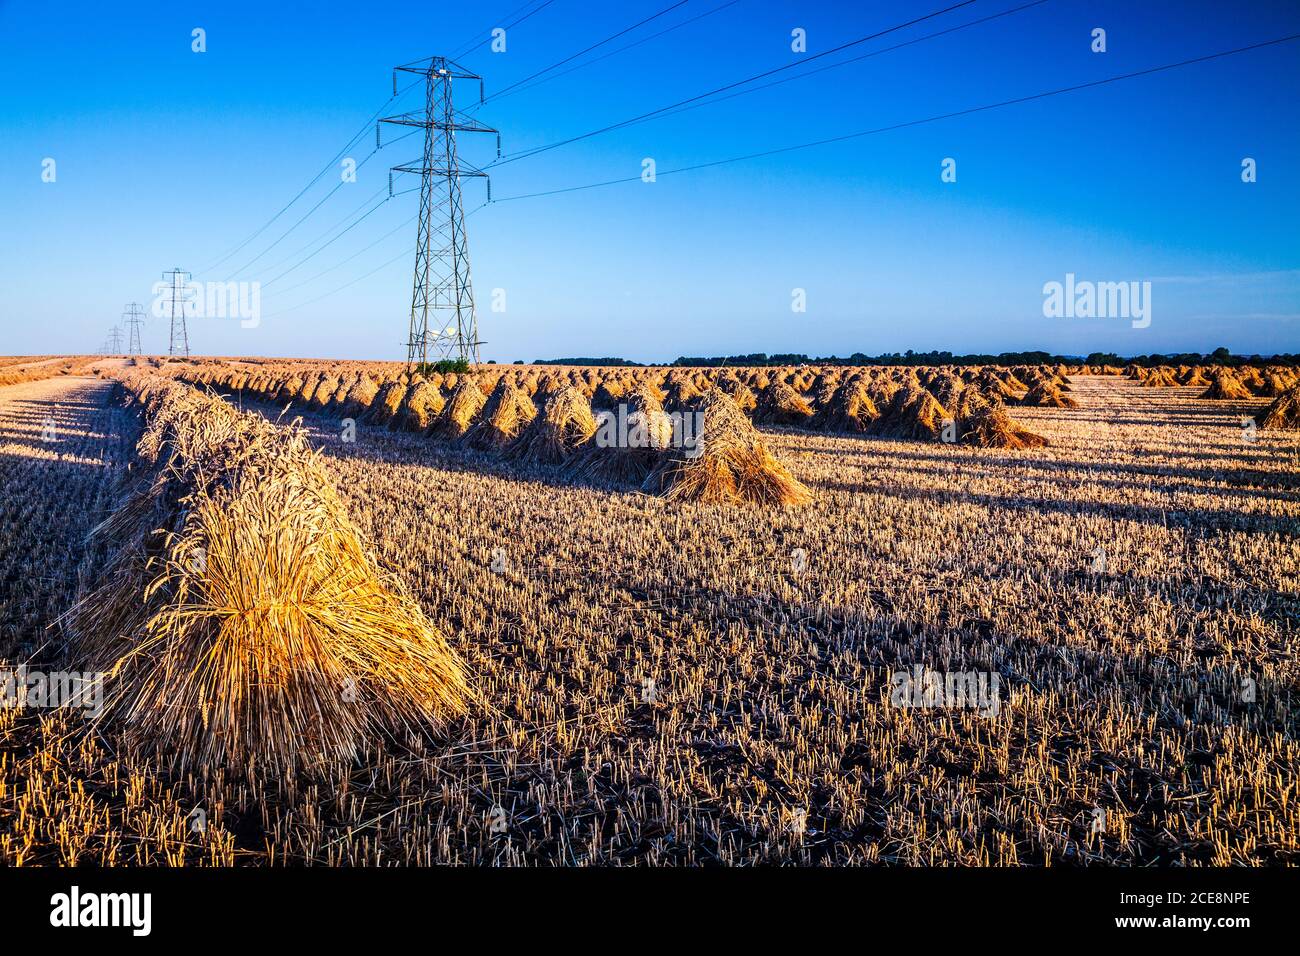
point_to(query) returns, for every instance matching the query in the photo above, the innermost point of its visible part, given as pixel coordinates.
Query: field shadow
(1215, 519)
(1246, 477)
(419, 450)
(1085, 478)
(55, 493)
(401, 447)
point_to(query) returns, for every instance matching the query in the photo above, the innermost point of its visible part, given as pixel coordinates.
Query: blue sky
(166, 157)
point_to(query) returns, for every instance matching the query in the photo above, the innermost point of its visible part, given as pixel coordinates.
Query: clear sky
(166, 157)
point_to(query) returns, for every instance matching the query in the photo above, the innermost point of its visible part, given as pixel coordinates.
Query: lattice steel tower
(180, 339)
(133, 316)
(443, 321)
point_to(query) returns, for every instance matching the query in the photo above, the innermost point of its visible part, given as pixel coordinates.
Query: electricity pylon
(133, 316)
(115, 341)
(443, 320)
(180, 339)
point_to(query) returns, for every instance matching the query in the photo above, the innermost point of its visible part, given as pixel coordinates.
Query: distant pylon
(180, 339)
(443, 320)
(133, 316)
(115, 341)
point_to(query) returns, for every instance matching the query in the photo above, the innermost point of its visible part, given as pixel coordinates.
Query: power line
(354, 255)
(518, 84)
(347, 146)
(315, 179)
(516, 87)
(326, 245)
(861, 133)
(401, 255)
(341, 183)
(594, 46)
(327, 168)
(721, 89)
(605, 56)
(363, 206)
(468, 48)
(920, 122)
(864, 56)
(302, 305)
(339, 235)
(693, 102)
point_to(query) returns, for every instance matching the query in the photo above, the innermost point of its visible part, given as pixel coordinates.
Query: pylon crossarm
(463, 170)
(440, 66)
(462, 124)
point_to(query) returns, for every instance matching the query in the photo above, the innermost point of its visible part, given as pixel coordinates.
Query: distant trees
(1220, 356)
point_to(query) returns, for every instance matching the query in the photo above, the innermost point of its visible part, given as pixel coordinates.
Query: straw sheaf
(1044, 395)
(384, 406)
(464, 406)
(1225, 387)
(1284, 412)
(780, 404)
(554, 437)
(1275, 384)
(993, 427)
(733, 465)
(419, 409)
(650, 432)
(507, 412)
(912, 413)
(850, 409)
(242, 620)
(357, 399)
(1160, 378)
(1193, 377)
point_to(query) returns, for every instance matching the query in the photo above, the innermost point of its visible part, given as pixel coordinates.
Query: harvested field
(666, 682)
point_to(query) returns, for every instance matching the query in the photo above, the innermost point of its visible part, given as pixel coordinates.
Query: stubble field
(679, 683)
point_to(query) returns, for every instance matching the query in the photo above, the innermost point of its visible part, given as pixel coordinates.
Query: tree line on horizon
(1220, 356)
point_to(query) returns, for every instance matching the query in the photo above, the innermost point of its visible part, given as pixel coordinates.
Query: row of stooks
(37, 370)
(889, 402)
(709, 452)
(1279, 382)
(222, 653)
(684, 436)
(555, 418)
(1043, 386)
